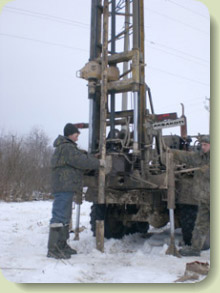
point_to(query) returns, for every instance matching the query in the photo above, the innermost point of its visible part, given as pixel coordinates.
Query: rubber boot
(189, 251)
(66, 247)
(197, 244)
(55, 244)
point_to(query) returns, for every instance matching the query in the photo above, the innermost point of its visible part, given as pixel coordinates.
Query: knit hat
(205, 138)
(70, 129)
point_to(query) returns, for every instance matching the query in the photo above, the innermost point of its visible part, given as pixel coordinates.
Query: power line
(189, 103)
(80, 49)
(179, 76)
(82, 25)
(74, 23)
(186, 8)
(46, 17)
(177, 50)
(175, 55)
(43, 42)
(186, 102)
(175, 20)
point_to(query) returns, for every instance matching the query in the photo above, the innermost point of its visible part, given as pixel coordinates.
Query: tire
(142, 227)
(137, 227)
(93, 218)
(188, 215)
(113, 227)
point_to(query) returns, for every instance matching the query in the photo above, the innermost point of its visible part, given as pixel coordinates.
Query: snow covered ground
(134, 259)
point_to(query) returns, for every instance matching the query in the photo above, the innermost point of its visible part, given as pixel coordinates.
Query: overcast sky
(44, 42)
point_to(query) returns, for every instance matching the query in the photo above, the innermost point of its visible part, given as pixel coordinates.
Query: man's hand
(84, 151)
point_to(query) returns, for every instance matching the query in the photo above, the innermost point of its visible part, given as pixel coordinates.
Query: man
(68, 165)
(201, 190)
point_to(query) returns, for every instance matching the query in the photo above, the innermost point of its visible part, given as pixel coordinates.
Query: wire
(47, 17)
(179, 51)
(43, 42)
(186, 8)
(84, 25)
(179, 76)
(186, 102)
(175, 55)
(178, 21)
(83, 50)
(187, 106)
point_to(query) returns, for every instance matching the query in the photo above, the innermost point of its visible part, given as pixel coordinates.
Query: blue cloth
(62, 208)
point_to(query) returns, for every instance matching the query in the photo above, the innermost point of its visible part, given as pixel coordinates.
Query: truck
(139, 185)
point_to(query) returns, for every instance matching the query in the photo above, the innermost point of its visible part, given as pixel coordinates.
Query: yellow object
(2, 3)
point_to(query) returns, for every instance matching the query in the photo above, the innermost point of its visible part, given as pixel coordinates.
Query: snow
(133, 259)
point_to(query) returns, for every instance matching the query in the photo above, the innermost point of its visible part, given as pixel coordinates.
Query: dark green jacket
(201, 182)
(68, 164)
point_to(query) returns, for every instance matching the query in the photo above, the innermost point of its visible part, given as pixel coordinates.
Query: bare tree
(25, 166)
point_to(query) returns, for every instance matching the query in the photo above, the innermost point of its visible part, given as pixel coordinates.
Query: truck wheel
(93, 217)
(142, 227)
(188, 215)
(137, 227)
(113, 227)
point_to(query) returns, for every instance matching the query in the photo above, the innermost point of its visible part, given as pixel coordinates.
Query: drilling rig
(135, 187)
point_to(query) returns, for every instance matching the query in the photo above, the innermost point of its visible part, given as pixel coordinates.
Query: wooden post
(103, 104)
(103, 114)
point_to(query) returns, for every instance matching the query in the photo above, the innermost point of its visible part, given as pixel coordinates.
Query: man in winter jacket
(68, 165)
(201, 191)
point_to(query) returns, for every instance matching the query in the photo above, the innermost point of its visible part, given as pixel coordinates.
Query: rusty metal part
(183, 128)
(100, 235)
(171, 204)
(77, 222)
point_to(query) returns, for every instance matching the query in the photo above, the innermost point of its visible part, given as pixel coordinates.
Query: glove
(83, 151)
